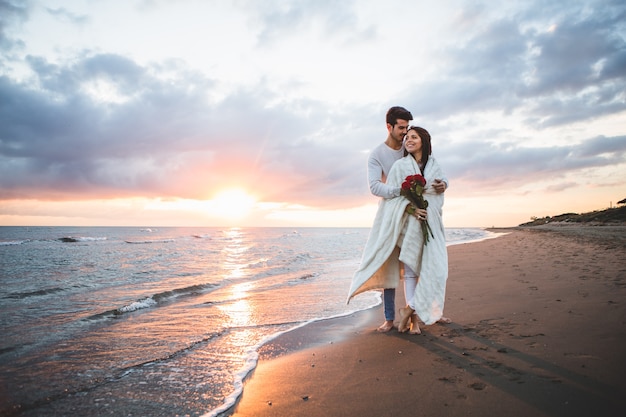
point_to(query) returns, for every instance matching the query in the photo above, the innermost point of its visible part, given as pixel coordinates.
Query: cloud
(101, 123)
(553, 73)
(328, 19)
(145, 132)
(11, 14)
(496, 166)
(64, 15)
(59, 140)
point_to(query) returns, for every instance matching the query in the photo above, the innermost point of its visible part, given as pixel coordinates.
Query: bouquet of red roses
(413, 190)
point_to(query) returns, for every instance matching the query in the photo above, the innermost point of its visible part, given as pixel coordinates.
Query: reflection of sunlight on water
(235, 270)
(239, 313)
(240, 290)
(235, 252)
(245, 337)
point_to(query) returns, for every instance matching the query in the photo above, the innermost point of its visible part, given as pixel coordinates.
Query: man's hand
(439, 186)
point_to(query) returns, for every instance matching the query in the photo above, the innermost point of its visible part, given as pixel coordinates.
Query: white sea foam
(12, 242)
(140, 242)
(458, 236)
(138, 305)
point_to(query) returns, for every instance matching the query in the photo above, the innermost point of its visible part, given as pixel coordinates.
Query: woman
(396, 238)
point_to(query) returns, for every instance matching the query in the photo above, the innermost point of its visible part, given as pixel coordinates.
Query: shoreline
(513, 347)
(273, 347)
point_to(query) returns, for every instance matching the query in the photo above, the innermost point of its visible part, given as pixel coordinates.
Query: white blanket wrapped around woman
(396, 236)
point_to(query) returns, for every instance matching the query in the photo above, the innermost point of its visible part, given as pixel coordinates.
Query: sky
(262, 113)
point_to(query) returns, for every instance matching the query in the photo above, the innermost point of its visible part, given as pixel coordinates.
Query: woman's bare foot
(444, 320)
(405, 316)
(385, 327)
(415, 326)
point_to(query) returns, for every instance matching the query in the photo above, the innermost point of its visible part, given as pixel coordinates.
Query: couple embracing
(407, 236)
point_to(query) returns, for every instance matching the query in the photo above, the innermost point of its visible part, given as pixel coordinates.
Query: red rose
(412, 189)
(421, 180)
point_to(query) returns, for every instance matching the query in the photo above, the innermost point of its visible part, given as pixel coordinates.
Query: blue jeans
(389, 302)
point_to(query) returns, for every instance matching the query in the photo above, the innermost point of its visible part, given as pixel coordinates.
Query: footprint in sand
(478, 386)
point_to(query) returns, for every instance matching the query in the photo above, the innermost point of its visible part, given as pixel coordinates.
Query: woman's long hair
(427, 148)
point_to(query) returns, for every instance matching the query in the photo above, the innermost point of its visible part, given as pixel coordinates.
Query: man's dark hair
(397, 112)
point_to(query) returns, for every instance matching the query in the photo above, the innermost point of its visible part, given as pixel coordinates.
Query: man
(378, 165)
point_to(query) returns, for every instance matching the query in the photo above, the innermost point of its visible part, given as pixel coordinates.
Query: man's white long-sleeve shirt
(378, 165)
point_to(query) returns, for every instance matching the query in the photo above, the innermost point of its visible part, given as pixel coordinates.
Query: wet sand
(538, 329)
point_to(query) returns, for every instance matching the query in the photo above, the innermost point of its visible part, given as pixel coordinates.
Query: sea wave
(138, 305)
(294, 234)
(12, 242)
(457, 236)
(152, 301)
(37, 293)
(149, 241)
(204, 236)
(73, 239)
(299, 279)
(301, 258)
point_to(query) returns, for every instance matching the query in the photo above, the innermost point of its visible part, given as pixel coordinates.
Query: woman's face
(413, 142)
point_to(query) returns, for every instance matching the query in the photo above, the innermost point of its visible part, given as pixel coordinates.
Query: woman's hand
(420, 214)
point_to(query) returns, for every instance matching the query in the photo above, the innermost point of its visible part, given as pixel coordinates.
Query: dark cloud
(555, 63)
(59, 119)
(588, 105)
(64, 80)
(496, 53)
(581, 51)
(490, 165)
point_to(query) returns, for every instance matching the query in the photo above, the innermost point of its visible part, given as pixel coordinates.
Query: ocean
(169, 319)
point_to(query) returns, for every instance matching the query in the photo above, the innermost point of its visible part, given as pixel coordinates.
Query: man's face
(398, 131)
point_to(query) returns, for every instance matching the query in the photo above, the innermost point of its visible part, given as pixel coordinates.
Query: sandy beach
(538, 329)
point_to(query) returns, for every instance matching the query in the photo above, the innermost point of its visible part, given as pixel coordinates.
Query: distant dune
(615, 215)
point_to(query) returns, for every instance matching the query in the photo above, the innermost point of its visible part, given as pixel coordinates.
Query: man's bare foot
(405, 316)
(385, 327)
(415, 327)
(444, 320)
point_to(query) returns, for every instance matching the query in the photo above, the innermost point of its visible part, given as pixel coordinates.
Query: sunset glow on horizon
(140, 113)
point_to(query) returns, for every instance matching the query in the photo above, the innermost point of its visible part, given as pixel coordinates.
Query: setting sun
(233, 203)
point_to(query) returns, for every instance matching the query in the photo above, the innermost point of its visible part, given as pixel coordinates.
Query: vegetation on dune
(611, 216)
